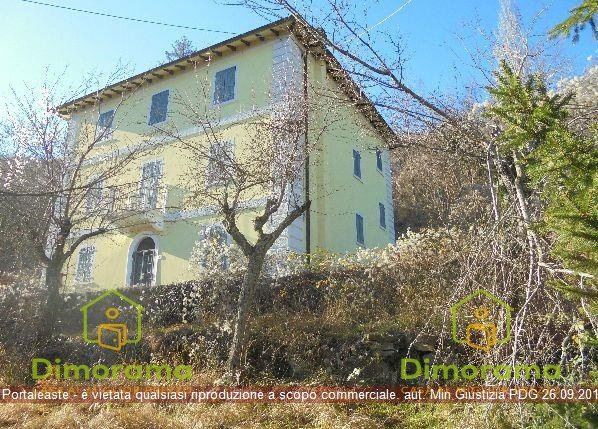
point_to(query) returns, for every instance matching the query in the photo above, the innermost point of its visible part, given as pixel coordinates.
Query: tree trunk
(522, 199)
(53, 301)
(254, 268)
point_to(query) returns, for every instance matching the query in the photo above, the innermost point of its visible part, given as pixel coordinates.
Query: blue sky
(35, 37)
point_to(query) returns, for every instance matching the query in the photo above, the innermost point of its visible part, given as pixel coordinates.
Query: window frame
(160, 179)
(108, 135)
(206, 232)
(152, 268)
(133, 247)
(382, 215)
(360, 176)
(78, 279)
(216, 183)
(360, 216)
(380, 167)
(149, 113)
(88, 208)
(223, 103)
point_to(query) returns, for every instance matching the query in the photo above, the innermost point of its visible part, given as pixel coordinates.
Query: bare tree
(511, 45)
(259, 181)
(75, 194)
(267, 168)
(15, 250)
(179, 49)
(459, 127)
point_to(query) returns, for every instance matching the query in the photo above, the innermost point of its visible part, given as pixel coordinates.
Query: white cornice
(164, 139)
(210, 210)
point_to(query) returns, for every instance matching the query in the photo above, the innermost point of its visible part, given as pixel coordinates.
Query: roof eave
(261, 34)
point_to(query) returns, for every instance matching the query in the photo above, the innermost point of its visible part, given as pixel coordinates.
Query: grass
(146, 416)
(325, 416)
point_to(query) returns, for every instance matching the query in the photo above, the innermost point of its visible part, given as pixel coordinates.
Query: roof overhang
(179, 65)
(302, 31)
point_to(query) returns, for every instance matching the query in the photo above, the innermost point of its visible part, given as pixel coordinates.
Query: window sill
(383, 228)
(358, 178)
(158, 123)
(223, 103)
(105, 142)
(380, 171)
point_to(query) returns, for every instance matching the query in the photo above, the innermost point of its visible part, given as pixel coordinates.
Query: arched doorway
(143, 263)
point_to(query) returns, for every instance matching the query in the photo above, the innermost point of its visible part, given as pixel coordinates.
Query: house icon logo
(481, 320)
(112, 320)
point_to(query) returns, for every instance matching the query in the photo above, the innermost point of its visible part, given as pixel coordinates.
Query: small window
(382, 213)
(220, 163)
(359, 228)
(104, 127)
(159, 107)
(224, 85)
(356, 164)
(95, 194)
(379, 160)
(85, 265)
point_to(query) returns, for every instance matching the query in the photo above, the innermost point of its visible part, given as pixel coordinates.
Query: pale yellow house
(348, 181)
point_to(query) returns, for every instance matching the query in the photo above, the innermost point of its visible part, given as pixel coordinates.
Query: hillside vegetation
(345, 321)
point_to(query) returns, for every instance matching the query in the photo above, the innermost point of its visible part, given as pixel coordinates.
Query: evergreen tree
(562, 167)
(580, 16)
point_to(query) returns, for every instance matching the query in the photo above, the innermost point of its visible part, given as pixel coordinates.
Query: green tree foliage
(562, 166)
(580, 16)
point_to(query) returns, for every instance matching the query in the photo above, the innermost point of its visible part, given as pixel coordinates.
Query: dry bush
(333, 323)
(325, 416)
(434, 189)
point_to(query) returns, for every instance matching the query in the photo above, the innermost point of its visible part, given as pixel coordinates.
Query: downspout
(305, 147)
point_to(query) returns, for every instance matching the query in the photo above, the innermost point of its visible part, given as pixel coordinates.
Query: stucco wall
(334, 128)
